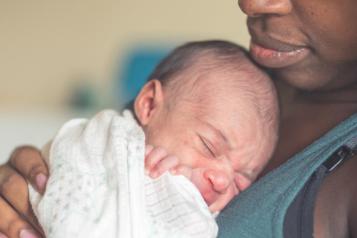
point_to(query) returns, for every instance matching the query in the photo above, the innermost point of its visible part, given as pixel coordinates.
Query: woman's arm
(17, 219)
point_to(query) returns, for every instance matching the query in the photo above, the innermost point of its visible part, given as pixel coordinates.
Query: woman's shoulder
(335, 212)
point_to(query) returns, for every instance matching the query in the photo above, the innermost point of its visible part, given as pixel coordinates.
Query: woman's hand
(16, 216)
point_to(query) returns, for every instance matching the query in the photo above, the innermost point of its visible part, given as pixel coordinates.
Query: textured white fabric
(98, 188)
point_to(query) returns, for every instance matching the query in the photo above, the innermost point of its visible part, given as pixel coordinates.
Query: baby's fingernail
(27, 234)
(41, 181)
(2, 235)
(154, 174)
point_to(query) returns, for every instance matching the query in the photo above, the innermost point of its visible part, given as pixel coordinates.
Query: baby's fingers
(148, 149)
(153, 157)
(182, 170)
(167, 163)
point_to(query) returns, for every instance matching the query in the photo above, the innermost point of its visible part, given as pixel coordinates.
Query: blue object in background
(136, 69)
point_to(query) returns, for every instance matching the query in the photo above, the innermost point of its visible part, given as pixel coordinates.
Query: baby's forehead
(208, 69)
(225, 105)
(217, 85)
(230, 90)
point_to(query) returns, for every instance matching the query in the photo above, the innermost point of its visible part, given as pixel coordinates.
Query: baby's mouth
(209, 195)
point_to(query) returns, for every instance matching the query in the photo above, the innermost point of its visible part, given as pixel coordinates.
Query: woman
(311, 48)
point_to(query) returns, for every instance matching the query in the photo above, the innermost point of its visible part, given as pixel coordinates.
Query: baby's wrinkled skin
(217, 143)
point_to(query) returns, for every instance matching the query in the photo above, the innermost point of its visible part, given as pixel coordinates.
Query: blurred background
(71, 58)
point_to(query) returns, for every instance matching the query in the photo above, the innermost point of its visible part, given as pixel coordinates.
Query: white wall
(46, 45)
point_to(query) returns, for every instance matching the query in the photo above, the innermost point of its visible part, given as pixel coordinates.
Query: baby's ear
(148, 101)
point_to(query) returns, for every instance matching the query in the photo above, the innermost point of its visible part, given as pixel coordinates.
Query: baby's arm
(158, 161)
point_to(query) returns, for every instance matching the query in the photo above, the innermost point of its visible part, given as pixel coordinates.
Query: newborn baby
(207, 114)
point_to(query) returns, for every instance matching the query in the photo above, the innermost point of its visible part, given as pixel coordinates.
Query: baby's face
(217, 141)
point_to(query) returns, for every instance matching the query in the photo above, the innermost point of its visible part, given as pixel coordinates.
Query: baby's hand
(158, 161)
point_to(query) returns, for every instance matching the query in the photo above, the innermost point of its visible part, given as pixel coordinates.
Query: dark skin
(335, 214)
(317, 91)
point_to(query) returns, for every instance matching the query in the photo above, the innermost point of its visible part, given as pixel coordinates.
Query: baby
(207, 114)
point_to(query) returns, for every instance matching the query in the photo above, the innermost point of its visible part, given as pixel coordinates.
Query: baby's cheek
(223, 200)
(242, 182)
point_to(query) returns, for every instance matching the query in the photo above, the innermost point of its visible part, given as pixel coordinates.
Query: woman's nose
(218, 179)
(256, 8)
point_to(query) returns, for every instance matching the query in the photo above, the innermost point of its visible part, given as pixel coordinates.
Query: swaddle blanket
(97, 186)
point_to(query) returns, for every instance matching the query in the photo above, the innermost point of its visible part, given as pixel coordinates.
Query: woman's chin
(306, 80)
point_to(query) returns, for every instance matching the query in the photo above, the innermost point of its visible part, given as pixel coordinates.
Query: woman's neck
(306, 116)
(343, 97)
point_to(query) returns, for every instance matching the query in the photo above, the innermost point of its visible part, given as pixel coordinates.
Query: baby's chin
(221, 202)
(217, 201)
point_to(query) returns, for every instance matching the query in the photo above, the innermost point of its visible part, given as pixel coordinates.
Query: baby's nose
(219, 180)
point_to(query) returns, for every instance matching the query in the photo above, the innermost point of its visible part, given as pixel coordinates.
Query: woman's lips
(274, 58)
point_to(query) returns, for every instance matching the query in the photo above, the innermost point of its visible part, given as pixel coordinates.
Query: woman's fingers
(28, 161)
(12, 225)
(14, 189)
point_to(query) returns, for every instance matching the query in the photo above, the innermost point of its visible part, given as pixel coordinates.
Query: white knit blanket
(97, 187)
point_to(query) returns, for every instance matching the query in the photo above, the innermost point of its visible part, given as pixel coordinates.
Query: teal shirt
(259, 211)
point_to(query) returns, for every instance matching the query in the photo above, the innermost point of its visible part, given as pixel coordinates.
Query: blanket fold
(97, 186)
